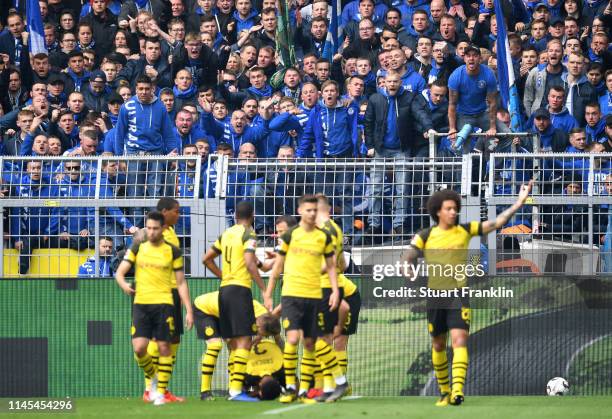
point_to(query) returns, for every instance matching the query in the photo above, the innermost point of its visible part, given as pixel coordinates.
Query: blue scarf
(81, 47)
(594, 57)
(141, 3)
(289, 93)
(483, 9)
(113, 118)
(184, 94)
(265, 92)
(78, 80)
(369, 78)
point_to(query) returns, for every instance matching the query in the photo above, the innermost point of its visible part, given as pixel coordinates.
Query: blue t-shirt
(472, 90)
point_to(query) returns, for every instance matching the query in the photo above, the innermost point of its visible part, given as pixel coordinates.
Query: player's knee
(164, 348)
(309, 344)
(438, 343)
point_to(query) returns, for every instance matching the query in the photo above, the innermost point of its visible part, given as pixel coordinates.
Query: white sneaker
(158, 399)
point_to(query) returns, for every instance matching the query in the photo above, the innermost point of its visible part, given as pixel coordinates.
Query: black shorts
(301, 314)
(236, 314)
(441, 320)
(178, 312)
(327, 319)
(153, 321)
(207, 326)
(350, 325)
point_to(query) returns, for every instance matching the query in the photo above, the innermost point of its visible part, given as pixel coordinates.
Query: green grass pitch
(389, 407)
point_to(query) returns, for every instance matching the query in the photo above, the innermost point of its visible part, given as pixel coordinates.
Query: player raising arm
(157, 263)
(445, 244)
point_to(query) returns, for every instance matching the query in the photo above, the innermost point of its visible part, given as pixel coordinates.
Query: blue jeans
(377, 175)
(145, 179)
(481, 121)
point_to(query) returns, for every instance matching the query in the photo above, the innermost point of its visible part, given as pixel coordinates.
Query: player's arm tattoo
(453, 97)
(492, 104)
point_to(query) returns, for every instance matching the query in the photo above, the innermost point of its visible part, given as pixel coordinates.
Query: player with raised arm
(157, 263)
(446, 244)
(299, 257)
(236, 316)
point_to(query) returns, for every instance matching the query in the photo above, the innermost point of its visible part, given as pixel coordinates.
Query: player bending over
(157, 263)
(445, 244)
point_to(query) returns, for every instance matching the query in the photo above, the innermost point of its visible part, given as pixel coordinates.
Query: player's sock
(307, 367)
(290, 360)
(460, 364)
(241, 356)
(153, 351)
(146, 364)
(230, 365)
(328, 381)
(440, 365)
(327, 356)
(164, 372)
(209, 360)
(174, 347)
(318, 376)
(342, 358)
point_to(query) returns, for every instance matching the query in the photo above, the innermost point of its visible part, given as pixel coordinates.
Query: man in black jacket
(152, 65)
(391, 133)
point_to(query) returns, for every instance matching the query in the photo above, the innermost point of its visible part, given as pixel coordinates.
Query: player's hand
(127, 289)
(524, 192)
(268, 303)
(452, 135)
(270, 255)
(189, 320)
(334, 300)
(19, 245)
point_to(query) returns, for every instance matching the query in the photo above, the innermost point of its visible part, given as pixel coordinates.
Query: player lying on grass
(446, 244)
(157, 264)
(206, 315)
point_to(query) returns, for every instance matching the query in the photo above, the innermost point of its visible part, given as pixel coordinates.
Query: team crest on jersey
(430, 327)
(254, 328)
(132, 330)
(209, 331)
(351, 111)
(286, 323)
(482, 84)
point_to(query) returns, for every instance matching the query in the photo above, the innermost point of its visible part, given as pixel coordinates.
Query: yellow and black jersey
(337, 239)
(232, 245)
(154, 271)
(171, 237)
(349, 286)
(444, 251)
(303, 251)
(209, 304)
(266, 358)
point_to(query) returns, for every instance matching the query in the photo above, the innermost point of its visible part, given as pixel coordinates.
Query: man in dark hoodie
(96, 92)
(579, 90)
(394, 119)
(152, 65)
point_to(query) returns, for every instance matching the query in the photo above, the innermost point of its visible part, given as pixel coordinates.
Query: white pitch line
(299, 406)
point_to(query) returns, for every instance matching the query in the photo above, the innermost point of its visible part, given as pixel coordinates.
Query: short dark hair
(434, 203)
(290, 220)
(143, 78)
(270, 324)
(244, 210)
(269, 387)
(166, 203)
(307, 199)
(156, 216)
(321, 198)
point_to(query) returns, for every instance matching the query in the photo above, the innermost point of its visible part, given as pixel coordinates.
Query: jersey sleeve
(285, 239)
(177, 258)
(329, 245)
(418, 242)
(249, 241)
(473, 228)
(130, 255)
(217, 245)
(453, 80)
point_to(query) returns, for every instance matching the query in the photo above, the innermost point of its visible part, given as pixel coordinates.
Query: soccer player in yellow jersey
(157, 263)
(446, 244)
(236, 316)
(170, 209)
(347, 325)
(328, 318)
(299, 257)
(206, 314)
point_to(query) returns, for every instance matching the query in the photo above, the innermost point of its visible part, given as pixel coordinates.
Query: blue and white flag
(505, 72)
(334, 27)
(35, 28)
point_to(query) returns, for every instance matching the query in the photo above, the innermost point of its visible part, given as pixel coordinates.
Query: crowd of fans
(187, 77)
